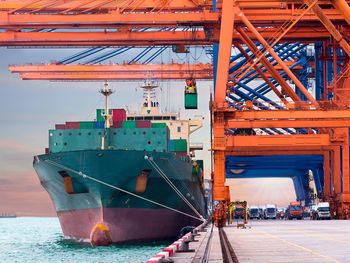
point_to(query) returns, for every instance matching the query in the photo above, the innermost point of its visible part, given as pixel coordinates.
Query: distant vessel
(7, 215)
(124, 177)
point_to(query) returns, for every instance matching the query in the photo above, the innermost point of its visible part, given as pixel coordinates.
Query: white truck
(322, 211)
(270, 212)
(253, 212)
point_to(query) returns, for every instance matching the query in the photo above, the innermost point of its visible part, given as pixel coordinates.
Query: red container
(60, 126)
(181, 154)
(117, 124)
(46, 150)
(73, 125)
(118, 115)
(143, 124)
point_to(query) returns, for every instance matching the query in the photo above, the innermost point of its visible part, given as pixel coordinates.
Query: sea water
(37, 239)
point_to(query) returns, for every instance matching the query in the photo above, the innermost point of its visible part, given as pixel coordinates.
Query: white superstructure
(179, 129)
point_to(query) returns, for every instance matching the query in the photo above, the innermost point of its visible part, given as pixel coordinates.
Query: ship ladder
(85, 176)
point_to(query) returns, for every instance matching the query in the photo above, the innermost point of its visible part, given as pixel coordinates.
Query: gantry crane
(297, 123)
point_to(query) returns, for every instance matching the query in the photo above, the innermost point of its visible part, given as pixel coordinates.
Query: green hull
(120, 169)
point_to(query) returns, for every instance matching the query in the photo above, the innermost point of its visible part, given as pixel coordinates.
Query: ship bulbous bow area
(100, 235)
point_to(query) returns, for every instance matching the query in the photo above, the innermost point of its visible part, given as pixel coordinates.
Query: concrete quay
(273, 241)
(291, 241)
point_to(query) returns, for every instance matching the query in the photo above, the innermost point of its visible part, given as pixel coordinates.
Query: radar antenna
(149, 86)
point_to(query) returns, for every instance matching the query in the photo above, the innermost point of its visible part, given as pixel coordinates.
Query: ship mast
(148, 87)
(106, 92)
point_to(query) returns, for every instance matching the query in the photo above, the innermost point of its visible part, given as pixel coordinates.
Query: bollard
(166, 260)
(191, 237)
(185, 246)
(202, 228)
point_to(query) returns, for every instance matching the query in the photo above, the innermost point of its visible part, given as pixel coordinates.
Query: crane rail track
(205, 258)
(228, 254)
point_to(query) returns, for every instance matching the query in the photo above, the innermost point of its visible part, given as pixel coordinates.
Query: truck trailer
(295, 210)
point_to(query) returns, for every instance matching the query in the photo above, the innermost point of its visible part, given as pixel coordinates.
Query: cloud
(21, 193)
(8, 145)
(16, 181)
(4, 182)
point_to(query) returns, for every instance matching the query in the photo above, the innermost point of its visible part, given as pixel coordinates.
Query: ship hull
(124, 224)
(127, 218)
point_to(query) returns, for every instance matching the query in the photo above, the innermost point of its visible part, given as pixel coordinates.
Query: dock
(270, 242)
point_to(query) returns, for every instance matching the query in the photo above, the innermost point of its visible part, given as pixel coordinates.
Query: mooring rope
(162, 174)
(120, 189)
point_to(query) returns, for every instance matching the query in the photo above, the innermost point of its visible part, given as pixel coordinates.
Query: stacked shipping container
(150, 139)
(139, 135)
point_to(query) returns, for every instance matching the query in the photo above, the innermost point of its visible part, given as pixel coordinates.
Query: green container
(139, 139)
(129, 124)
(99, 113)
(159, 125)
(200, 163)
(180, 145)
(86, 125)
(191, 101)
(147, 139)
(75, 140)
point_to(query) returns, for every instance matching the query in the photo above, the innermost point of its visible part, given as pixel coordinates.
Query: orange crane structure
(133, 71)
(253, 25)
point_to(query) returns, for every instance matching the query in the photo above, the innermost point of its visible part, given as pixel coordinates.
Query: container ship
(124, 177)
(7, 215)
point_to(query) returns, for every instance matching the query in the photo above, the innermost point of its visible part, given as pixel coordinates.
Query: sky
(28, 109)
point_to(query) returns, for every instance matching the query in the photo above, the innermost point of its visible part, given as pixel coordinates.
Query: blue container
(99, 125)
(172, 145)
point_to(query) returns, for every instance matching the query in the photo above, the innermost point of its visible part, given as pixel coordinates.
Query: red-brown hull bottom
(125, 224)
